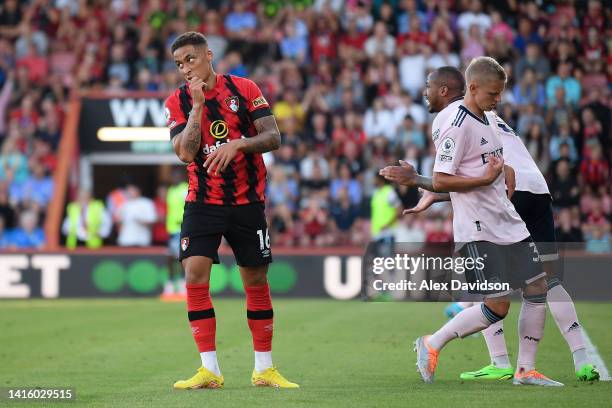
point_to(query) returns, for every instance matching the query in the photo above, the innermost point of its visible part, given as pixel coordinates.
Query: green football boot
(489, 372)
(587, 372)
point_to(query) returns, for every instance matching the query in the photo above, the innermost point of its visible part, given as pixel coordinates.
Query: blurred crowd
(345, 79)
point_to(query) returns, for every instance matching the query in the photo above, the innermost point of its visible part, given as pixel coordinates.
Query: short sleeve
(257, 105)
(450, 151)
(175, 120)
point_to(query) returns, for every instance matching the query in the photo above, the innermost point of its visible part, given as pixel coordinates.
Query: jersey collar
(484, 122)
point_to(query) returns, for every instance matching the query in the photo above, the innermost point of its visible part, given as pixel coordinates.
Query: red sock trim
(258, 297)
(198, 297)
(202, 316)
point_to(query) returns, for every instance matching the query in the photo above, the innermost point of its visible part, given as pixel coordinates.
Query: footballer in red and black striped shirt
(220, 125)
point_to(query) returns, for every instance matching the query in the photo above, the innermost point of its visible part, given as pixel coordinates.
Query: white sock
(501, 361)
(209, 362)
(580, 358)
(530, 329)
(263, 360)
(496, 343)
(466, 322)
(563, 311)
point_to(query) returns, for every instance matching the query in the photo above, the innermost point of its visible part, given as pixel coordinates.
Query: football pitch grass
(128, 353)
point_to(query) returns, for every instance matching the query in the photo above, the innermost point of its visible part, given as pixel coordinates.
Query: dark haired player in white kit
(444, 91)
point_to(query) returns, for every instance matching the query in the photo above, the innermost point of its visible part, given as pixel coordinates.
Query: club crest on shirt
(184, 243)
(448, 145)
(232, 103)
(169, 121)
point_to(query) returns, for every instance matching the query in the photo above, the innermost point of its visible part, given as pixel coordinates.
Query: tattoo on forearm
(267, 139)
(261, 143)
(192, 138)
(425, 183)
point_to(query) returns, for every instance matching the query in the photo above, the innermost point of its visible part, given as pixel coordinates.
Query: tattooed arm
(267, 138)
(187, 143)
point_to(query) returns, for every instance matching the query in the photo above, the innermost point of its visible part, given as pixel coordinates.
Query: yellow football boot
(270, 377)
(202, 379)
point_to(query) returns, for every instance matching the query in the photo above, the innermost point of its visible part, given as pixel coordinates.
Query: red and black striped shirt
(230, 109)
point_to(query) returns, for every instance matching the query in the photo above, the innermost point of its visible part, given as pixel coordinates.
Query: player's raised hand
(218, 160)
(197, 87)
(494, 168)
(427, 199)
(404, 174)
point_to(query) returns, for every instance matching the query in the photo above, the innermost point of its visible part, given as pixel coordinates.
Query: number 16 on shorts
(264, 242)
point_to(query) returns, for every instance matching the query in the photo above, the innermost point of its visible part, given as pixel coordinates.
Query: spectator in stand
(443, 57)
(136, 217)
(28, 234)
(283, 193)
(38, 188)
(535, 143)
(351, 45)
(596, 230)
(415, 33)
(380, 41)
(500, 30)
(240, 23)
(566, 231)
(119, 67)
(345, 183)
(594, 170)
(315, 224)
(474, 17)
(289, 106)
(314, 171)
(472, 45)
(87, 222)
(282, 190)
(526, 35)
(529, 116)
(377, 121)
(293, 45)
(412, 68)
(344, 213)
(592, 131)
(563, 137)
(559, 112)
(318, 131)
(529, 90)
(13, 160)
(564, 187)
(598, 240)
(564, 79)
(533, 60)
(409, 11)
(408, 134)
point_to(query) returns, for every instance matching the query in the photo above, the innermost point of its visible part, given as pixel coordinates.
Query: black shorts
(517, 264)
(536, 211)
(243, 226)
